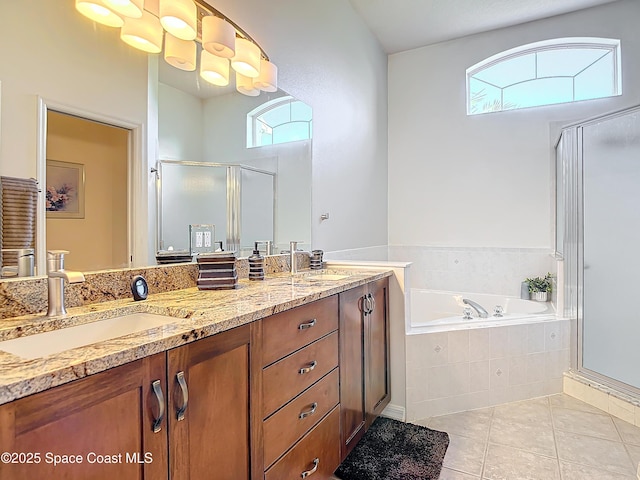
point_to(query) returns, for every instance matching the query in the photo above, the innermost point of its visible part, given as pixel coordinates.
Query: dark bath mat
(393, 450)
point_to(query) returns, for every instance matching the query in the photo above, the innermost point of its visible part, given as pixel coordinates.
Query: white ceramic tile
(429, 349)
(596, 398)
(479, 376)
(568, 401)
(448, 380)
(499, 342)
(530, 436)
(552, 386)
(535, 338)
(458, 343)
(499, 373)
(553, 339)
(597, 452)
(574, 471)
(448, 474)
(506, 463)
(480, 344)
(465, 454)
(585, 423)
(628, 431)
(474, 423)
(556, 363)
(536, 368)
(517, 370)
(516, 340)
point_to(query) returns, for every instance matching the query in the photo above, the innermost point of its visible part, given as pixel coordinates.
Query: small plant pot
(540, 296)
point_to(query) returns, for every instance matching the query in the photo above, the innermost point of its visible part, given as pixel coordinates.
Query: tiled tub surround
(466, 369)
(29, 296)
(198, 314)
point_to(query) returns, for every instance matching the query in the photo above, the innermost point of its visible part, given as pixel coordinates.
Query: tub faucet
(56, 275)
(293, 246)
(482, 313)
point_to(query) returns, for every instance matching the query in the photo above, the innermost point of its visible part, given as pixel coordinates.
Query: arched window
(544, 73)
(284, 119)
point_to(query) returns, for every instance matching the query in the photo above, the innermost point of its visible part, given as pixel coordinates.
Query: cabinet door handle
(304, 326)
(314, 406)
(373, 303)
(311, 366)
(306, 473)
(185, 395)
(157, 422)
(366, 304)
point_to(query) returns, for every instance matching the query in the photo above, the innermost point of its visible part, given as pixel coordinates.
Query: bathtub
(438, 311)
(455, 364)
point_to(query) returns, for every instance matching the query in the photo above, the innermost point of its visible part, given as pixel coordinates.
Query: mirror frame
(137, 187)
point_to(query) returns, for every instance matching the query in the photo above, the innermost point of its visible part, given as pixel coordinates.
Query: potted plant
(540, 287)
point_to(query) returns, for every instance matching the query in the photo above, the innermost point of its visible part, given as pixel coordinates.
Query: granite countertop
(198, 314)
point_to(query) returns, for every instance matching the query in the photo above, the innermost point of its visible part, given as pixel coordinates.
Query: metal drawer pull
(157, 422)
(304, 326)
(311, 366)
(313, 470)
(185, 395)
(314, 406)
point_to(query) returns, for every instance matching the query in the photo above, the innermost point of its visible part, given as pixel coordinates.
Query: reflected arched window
(544, 73)
(284, 119)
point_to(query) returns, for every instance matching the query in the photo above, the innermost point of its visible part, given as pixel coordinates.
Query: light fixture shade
(267, 81)
(98, 11)
(128, 8)
(247, 59)
(179, 18)
(245, 85)
(144, 33)
(180, 53)
(214, 69)
(218, 37)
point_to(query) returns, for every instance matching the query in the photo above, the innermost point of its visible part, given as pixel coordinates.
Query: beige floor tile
(474, 423)
(597, 452)
(524, 435)
(634, 451)
(629, 433)
(465, 454)
(448, 474)
(574, 471)
(567, 401)
(534, 411)
(585, 423)
(506, 463)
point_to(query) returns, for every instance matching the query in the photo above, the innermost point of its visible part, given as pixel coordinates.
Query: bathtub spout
(482, 313)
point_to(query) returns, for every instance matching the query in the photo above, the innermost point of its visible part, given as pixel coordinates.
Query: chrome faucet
(293, 246)
(482, 313)
(55, 282)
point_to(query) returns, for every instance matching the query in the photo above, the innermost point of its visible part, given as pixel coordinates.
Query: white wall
(486, 180)
(180, 125)
(329, 59)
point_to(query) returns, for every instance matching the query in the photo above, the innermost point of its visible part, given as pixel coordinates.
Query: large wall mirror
(70, 76)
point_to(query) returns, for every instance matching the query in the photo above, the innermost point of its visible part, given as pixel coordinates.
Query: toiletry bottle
(256, 264)
(524, 291)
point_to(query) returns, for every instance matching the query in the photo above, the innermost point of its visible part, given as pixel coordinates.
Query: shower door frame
(574, 222)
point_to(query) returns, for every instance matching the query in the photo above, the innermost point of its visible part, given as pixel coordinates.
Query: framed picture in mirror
(65, 189)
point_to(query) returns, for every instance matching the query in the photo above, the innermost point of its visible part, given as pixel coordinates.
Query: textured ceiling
(405, 24)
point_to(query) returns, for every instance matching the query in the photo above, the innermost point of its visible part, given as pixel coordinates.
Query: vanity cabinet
(99, 427)
(364, 359)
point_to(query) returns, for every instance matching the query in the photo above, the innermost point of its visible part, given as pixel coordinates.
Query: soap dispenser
(256, 264)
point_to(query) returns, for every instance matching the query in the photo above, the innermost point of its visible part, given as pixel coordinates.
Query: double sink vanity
(277, 379)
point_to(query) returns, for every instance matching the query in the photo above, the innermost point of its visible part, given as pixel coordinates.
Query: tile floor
(547, 438)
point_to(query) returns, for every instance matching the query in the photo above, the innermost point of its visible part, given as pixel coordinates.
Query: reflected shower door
(257, 207)
(611, 256)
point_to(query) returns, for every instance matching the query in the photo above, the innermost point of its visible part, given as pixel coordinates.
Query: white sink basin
(47, 343)
(325, 277)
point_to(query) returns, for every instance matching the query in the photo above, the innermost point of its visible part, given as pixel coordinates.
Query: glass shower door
(611, 239)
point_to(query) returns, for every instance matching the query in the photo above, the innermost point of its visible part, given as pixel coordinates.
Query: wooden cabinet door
(352, 407)
(377, 366)
(99, 427)
(209, 404)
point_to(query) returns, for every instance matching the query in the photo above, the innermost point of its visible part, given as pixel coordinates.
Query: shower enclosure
(238, 199)
(598, 235)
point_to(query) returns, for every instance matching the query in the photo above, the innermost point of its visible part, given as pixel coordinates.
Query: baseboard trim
(395, 412)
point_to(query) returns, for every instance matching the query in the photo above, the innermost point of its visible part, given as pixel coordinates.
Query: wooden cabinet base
(317, 454)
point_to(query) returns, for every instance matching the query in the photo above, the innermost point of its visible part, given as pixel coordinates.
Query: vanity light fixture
(245, 85)
(179, 18)
(144, 33)
(98, 11)
(180, 53)
(218, 37)
(128, 8)
(214, 70)
(224, 43)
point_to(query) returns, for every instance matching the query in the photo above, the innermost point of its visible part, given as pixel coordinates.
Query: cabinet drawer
(319, 448)
(289, 331)
(287, 378)
(290, 423)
